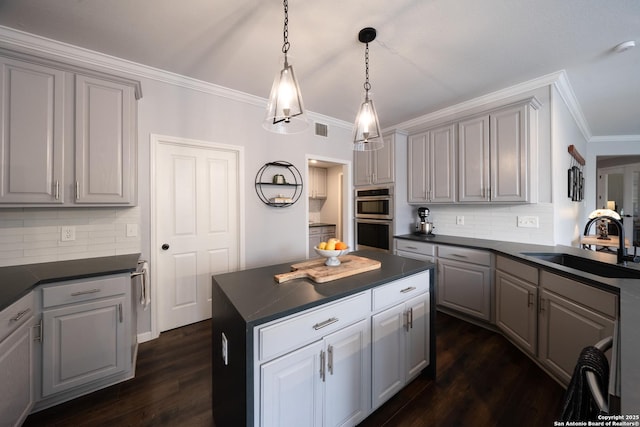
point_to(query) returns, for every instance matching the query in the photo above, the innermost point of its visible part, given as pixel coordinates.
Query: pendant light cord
(367, 85)
(285, 31)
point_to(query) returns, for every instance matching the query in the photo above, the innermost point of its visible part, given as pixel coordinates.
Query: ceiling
(429, 54)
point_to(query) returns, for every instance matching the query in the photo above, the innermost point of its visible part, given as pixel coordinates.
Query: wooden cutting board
(320, 273)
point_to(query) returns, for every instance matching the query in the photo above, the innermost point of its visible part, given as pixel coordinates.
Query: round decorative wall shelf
(278, 184)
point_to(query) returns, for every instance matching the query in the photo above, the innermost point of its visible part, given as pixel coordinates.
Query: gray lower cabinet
(572, 316)
(517, 302)
(69, 135)
(551, 317)
(17, 361)
(464, 281)
(87, 331)
(421, 251)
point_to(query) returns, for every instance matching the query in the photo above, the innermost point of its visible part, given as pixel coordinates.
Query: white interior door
(196, 228)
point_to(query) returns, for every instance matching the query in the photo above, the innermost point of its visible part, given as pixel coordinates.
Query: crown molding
(614, 138)
(568, 96)
(21, 41)
(493, 97)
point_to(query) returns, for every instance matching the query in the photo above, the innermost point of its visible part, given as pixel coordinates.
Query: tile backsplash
(32, 235)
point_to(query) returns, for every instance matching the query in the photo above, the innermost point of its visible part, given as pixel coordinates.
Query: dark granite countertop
(258, 298)
(628, 290)
(17, 281)
(321, 224)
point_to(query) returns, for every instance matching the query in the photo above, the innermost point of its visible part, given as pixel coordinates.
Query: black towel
(579, 404)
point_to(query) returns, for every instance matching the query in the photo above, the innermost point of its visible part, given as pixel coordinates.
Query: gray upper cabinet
(68, 135)
(493, 162)
(431, 166)
(375, 167)
(105, 141)
(32, 139)
(478, 159)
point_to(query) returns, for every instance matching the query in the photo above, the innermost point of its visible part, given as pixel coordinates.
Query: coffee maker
(423, 226)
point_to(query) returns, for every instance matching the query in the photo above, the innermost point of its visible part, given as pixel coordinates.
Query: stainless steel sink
(586, 265)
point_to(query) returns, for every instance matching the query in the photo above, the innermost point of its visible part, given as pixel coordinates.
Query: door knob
(165, 246)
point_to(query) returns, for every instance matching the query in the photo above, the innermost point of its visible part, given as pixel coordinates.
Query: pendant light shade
(285, 110)
(366, 131)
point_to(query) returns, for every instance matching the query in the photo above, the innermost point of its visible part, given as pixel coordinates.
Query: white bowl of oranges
(332, 249)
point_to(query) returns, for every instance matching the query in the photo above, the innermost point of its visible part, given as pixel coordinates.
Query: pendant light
(285, 112)
(366, 132)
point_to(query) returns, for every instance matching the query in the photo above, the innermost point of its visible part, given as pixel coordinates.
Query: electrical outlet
(132, 230)
(67, 233)
(225, 349)
(459, 220)
(528, 221)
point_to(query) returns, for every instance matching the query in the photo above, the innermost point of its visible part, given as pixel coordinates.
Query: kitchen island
(257, 322)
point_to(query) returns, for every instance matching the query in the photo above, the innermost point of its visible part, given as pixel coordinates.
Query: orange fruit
(341, 245)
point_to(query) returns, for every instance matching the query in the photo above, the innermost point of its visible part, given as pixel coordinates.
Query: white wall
(567, 215)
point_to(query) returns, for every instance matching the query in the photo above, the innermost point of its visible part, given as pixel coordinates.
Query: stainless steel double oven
(374, 218)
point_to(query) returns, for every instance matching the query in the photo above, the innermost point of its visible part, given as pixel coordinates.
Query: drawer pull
(325, 323)
(459, 256)
(412, 247)
(409, 289)
(90, 291)
(20, 315)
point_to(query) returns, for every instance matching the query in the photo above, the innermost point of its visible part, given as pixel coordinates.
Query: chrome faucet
(622, 250)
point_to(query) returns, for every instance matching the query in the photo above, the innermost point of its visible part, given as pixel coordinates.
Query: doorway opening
(329, 201)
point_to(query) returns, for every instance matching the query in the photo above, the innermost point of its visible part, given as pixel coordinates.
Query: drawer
(422, 248)
(16, 314)
(593, 298)
(74, 291)
(517, 269)
(296, 331)
(315, 230)
(463, 254)
(400, 291)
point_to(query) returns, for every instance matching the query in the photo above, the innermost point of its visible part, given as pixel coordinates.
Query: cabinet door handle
(39, 337)
(541, 306)
(330, 361)
(120, 317)
(90, 291)
(411, 318)
(405, 321)
(20, 315)
(77, 190)
(325, 323)
(530, 299)
(56, 190)
(322, 365)
(409, 289)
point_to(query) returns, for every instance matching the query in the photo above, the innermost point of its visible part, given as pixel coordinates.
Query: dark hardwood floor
(481, 380)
